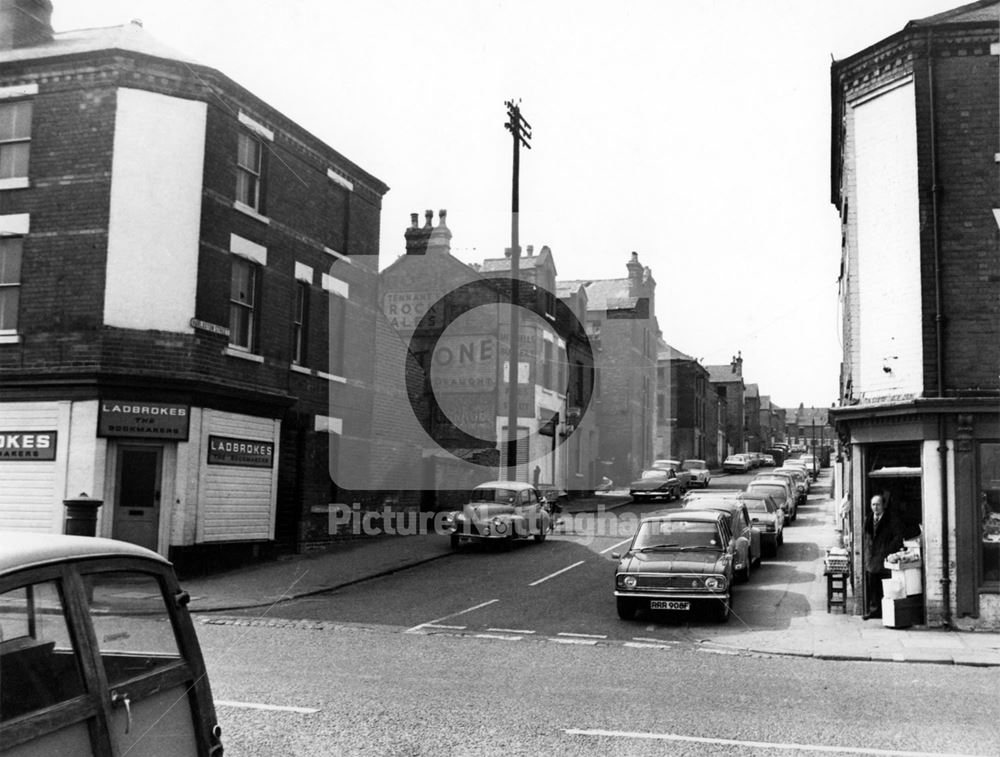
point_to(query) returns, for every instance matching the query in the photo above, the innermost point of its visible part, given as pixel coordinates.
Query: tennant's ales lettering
(143, 420)
(247, 453)
(28, 446)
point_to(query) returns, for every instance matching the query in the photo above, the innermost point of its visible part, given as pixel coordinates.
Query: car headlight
(630, 582)
(713, 583)
(500, 525)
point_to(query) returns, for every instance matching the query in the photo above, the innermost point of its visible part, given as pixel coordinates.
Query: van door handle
(122, 698)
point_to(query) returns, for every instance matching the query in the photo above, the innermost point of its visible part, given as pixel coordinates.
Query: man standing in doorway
(883, 536)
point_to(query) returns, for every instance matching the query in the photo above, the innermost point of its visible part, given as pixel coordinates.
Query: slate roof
(984, 10)
(668, 352)
(607, 294)
(720, 374)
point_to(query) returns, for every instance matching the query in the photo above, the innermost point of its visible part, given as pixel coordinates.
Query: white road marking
(269, 707)
(583, 635)
(646, 645)
(585, 642)
(553, 575)
(615, 546)
(760, 744)
(449, 628)
(502, 636)
(510, 630)
(449, 617)
(653, 641)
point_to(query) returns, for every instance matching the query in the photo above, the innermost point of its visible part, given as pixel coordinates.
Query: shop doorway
(894, 472)
(138, 472)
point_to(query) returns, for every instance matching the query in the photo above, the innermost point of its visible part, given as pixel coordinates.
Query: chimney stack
(634, 274)
(421, 240)
(25, 23)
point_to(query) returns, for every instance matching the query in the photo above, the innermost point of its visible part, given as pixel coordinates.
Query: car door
(753, 535)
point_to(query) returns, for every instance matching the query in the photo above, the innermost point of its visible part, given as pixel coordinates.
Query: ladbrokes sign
(28, 446)
(143, 420)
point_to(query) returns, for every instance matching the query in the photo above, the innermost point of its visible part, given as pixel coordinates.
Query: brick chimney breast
(25, 23)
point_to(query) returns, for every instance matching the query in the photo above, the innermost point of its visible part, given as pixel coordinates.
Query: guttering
(939, 341)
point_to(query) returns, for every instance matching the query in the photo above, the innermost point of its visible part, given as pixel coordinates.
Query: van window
(38, 661)
(134, 632)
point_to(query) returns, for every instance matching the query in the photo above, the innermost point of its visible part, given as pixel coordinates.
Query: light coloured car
(800, 478)
(796, 462)
(500, 512)
(736, 464)
(701, 476)
(98, 654)
(768, 518)
(747, 549)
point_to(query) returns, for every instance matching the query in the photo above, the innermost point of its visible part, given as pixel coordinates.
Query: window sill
(331, 377)
(247, 210)
(10, 338)
(17, 182)
(301, 369)
(244, 355)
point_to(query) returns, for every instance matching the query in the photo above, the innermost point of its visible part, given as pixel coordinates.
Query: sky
(696, 134)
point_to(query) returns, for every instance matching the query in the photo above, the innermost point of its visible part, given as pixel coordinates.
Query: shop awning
(899, 471)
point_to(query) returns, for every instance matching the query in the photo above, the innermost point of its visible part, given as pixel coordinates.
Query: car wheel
(781, 540)
(540, 537)
(745, 573)
(455, 543)
(626, 608)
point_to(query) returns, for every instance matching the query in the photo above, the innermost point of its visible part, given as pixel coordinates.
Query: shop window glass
(38, 661)
(989, 513)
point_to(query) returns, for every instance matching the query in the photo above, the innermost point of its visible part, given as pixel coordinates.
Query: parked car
(98, 654)
(798, 464)
(800, 479)
(811, 463)
(782, 492)
(684, 476)
(701, 476)
(656, 483)
(500, 512)
(769, 461)
(747, 550)
(736, 464)
(675, 562)
(767, 517)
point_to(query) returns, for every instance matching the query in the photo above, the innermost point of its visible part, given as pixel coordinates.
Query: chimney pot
(428, 218)
(531, 250)
(414, 223)
(442, 217)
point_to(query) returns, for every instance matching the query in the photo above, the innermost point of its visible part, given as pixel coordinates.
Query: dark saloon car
(656, 483)
(675, 562)
(98, 654)
(500, 512)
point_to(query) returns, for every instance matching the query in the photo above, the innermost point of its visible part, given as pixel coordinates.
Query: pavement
(810, 632)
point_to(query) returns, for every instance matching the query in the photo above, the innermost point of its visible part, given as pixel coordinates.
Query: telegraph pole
(520, 130)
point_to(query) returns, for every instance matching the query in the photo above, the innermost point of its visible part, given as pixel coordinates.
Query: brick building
(621, 324)
(755, 440)
(184, 271)
(772, 421)
(916, 179)
(684, 403)
(727, 382)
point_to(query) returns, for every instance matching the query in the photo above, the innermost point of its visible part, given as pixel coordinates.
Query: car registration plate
(663, 604)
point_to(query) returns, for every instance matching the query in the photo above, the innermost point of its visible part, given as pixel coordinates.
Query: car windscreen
(778, 490)
(677, 534)
(503, 496)
(654, 473)
(757, 505)
(692, 464)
